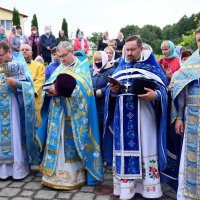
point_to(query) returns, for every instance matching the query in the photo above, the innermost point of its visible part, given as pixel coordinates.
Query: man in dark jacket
(113, 44)
(47, 42)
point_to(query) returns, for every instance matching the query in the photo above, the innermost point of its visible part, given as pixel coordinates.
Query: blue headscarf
(171, 45)
(178, 50)
(2, 37)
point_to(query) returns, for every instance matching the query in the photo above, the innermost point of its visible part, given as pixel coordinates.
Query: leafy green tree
(152, 35)
(196, 19)
(182, 27)
(65, 27)
(192, 21)
(181, 33)
(189, 41)
(167, 32)
(34, 21)
(77, 32)
(130, 30)
(16, 18)
(94, 38)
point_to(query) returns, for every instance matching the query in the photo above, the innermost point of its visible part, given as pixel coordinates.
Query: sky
(101, 15)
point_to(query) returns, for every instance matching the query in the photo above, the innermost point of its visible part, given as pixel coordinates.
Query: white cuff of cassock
(98, 93)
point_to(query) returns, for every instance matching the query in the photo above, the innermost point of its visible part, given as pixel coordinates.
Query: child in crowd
(53, 65)
(39, 59)
(185, 54)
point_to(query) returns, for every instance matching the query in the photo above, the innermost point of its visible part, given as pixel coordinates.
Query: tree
(94, 38)
(77, 32)
(152, 35)
(181, 33)
(16, 19)
(167, 32)
(182, 27)
(189, 41)
(65, 27)
(34, 21)
(130, 30)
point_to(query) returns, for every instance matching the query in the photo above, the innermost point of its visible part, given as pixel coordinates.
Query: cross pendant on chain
(127, 80)
(126, 86)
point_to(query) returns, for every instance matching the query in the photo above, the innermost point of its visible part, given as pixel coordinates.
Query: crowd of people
(41, 44)
(127, 110)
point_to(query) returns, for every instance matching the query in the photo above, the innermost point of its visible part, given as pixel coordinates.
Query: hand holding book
(114, 81)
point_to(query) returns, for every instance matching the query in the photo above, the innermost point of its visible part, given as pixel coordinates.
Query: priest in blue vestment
(135, 122)
(185, 115)
(17, 119)
(69, 132)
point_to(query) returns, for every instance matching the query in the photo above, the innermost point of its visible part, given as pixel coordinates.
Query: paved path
(31, 188)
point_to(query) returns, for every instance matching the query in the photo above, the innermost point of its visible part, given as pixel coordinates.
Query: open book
(114, 81)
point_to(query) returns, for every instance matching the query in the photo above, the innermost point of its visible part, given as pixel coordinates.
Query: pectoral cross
(127, 78)
(126, 86)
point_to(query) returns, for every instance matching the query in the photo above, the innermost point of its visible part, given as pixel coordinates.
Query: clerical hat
(138, 85)
(65, 85)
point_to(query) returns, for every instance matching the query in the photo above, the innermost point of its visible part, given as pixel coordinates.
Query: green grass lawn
(158, 56)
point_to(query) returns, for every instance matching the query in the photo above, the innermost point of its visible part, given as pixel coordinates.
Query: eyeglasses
(64, 55)
(1, 55)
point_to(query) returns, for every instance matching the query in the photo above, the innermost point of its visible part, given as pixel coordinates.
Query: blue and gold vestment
(81, 125)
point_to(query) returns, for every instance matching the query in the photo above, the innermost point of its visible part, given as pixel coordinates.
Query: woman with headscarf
(170, 62)
(101, 68)
(179, 50)
(111, 54)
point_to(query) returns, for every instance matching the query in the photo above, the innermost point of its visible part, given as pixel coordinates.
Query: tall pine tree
(16, 18)
(65, 27)
(77, 32)
(34, 21)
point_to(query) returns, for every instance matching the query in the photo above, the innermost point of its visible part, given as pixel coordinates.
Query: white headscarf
(104, 60)
(113, 57)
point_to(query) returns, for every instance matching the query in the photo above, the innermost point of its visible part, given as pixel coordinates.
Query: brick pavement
(31, 188)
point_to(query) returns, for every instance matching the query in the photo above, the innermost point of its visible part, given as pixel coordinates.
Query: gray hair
(64, 45)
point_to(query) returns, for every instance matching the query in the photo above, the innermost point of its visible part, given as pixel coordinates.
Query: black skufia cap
(138, 85)
(65, 85)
